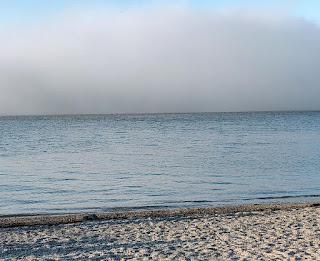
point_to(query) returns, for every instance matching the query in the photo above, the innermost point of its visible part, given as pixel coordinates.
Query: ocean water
(58, 164)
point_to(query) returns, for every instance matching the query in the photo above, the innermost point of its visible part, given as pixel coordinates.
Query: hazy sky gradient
(159, 57)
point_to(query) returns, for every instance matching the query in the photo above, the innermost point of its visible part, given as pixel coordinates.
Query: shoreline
(21, 220)
(247, 232)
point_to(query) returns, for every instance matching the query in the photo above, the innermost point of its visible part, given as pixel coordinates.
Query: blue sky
(30, 10)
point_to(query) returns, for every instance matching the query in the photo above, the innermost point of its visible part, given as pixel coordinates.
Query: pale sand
(260, 233)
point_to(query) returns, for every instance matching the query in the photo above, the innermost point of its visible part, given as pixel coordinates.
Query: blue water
(53, 164)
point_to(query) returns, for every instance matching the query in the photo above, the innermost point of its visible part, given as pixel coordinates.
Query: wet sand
(251, 232)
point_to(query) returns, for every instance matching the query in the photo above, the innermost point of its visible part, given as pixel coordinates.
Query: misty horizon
(160, 59)
(154, 113)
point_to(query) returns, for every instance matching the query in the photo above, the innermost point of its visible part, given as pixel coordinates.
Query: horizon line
(152, 113)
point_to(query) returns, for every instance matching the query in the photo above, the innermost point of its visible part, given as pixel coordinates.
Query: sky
(81, 56)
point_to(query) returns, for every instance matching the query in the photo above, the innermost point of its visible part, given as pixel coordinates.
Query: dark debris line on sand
(231, 233)
(32, 220)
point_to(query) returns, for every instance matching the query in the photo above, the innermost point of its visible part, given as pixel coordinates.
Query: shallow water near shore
(77, 163)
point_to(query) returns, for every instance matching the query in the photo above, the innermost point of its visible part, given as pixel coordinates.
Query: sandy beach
(256, 232)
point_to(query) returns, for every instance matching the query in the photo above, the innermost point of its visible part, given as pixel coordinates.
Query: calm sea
(53, 164)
